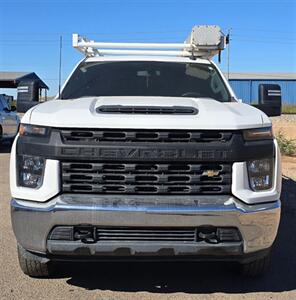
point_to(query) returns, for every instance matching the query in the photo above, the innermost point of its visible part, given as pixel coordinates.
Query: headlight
(258, 134)
(33, 130)
(260, 174)
(30, 171)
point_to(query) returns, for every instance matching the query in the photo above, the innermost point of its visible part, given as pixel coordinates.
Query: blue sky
(263, 31)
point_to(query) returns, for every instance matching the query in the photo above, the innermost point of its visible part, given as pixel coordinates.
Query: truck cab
(146, 154)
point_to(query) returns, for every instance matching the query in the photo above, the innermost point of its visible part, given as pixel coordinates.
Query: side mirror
(270, 99)
(27, 95)
(13, 108)
(24, 106)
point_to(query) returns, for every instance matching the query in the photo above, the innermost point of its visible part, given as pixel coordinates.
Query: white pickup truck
(147, 155)
(9, 121)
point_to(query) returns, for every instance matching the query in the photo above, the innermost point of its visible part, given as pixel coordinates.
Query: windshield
(148, 78)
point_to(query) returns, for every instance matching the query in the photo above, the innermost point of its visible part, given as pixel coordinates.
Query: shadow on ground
(198, 277)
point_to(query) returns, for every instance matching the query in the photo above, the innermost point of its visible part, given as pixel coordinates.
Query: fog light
(260, 174)
(31, 169)
(62, 233)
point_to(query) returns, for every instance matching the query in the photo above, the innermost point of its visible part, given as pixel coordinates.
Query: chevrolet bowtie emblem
(210, 173)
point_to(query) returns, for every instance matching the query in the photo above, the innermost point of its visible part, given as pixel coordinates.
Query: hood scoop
(146, 110)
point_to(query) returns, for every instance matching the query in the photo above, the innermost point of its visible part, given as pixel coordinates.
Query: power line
(144, 37)
(165, 31)
(265, 37)
(263, 41)
(263, 30)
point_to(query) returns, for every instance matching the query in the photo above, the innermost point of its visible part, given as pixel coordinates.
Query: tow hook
(209, 237)
(86, 235)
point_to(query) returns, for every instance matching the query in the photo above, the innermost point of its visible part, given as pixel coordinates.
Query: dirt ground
(286, 124)
(155, 280)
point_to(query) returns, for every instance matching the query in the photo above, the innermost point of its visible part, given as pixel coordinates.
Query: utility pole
(228, 52)
(60, 66)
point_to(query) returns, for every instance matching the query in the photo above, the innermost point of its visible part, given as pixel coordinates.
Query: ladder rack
(204, 41)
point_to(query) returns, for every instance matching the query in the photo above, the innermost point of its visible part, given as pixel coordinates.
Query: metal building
(245, 85)
(12, 79)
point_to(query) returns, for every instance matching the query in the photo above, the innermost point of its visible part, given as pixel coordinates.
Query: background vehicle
(147, 156)
(9, 120)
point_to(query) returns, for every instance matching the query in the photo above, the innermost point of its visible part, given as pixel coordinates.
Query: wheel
(34, 265)
(257, 267)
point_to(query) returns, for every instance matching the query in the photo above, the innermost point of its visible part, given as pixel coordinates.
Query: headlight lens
(258, 134)
(260, 174)
(31, 170)
(33, 130)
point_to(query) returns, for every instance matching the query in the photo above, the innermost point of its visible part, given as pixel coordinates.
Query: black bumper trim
(78, 248)
(232, 252)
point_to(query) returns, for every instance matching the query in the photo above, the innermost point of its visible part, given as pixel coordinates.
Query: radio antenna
(60, 65)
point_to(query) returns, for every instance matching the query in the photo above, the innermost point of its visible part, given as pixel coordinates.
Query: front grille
(93, 234)
(143, 234)
(95, 136)
(146, 178)
(154, 110)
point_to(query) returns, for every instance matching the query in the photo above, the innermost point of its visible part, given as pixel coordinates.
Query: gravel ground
(285, 124)
(150, 281)
(289, 118)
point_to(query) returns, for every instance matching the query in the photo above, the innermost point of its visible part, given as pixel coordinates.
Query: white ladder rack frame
(203, 42)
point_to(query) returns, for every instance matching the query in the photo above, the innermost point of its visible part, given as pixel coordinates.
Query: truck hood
(81, 113)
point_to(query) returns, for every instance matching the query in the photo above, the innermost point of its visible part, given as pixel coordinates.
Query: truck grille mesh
(146, 178)
(143, 234)
(93, 234)
(88, 136)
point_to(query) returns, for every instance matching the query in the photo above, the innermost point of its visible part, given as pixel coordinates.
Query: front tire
(34, 265)
(257, 267)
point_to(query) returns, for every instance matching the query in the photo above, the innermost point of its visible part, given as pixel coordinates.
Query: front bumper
(32, 223)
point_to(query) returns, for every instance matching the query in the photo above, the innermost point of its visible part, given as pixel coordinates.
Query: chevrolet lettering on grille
(136, 153)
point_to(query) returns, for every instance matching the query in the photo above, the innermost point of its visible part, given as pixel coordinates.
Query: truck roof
(147, 58)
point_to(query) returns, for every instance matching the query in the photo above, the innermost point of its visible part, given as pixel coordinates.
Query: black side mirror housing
(24, 106)
(27, 95)
(269, 99)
